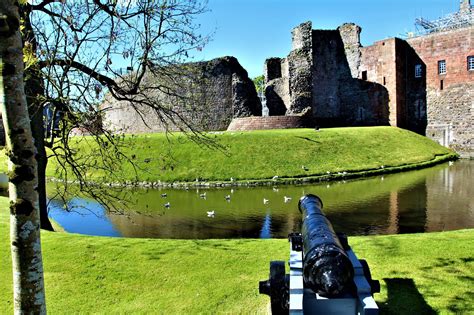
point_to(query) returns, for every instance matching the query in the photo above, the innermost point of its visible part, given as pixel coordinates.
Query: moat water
(434, 199)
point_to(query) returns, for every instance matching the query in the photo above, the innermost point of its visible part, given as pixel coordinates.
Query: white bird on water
(203, 195)
(227, 197)
(287, 199)
(275, 177)
(211, 214)
(265, 201)
(451, 163)
(167, 205)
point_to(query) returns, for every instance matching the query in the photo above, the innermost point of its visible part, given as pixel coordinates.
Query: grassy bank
(420, 274)
(260, 155)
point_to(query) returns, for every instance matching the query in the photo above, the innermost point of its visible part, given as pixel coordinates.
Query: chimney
(465, 7)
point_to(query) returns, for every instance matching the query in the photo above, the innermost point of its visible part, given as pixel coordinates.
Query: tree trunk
(34, 91)
(27, 263)
(37, 130)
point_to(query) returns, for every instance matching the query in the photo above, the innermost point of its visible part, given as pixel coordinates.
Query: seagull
(304, 168)
(227, 197)
(265, 201)
(275, 177)
(232, 179)
(203, 195)
(211, 214)
(344, 173)
(328, 172)
(232, 191)
(164, 195)
(450, 163)
(382, 166)
(275, 189)
(167, 205)
(287, 199)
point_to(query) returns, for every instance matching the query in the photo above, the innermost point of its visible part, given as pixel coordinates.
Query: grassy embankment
(260, 155)
(420, 274)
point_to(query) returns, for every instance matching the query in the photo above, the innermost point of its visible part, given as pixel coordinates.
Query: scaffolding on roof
(449, 22)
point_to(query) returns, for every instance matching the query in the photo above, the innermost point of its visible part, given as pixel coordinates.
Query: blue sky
(253, 30)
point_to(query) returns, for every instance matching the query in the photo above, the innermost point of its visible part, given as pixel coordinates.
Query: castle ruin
(211, 94)
(424, 84)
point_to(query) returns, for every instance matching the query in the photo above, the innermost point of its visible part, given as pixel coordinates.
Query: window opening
(442, 67)
(418, 71)
(470, 63)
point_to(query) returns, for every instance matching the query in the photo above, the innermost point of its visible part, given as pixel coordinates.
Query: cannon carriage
(325, 275)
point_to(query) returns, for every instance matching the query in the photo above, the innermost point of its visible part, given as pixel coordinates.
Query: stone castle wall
(342, 98)
(277, 90)
(269, 122)
(391, 63)
(377, 65)
(450, 96)
(338, 80)
(300, 61)
(346, 84)
(217, 91)
(323, 70)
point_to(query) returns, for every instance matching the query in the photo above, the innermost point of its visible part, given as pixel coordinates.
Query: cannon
(325, 275)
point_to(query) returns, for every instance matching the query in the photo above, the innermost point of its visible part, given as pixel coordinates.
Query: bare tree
(28, 284)
(80, 50)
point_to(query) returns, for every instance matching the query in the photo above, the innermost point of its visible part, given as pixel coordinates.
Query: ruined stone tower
(321, 73)
(424, 83)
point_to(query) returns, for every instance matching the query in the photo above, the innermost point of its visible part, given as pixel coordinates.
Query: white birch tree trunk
(28, 283)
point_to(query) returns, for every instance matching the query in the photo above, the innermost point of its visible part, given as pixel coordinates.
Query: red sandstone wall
(452, 46)
(269, 122)
(379, 62)
(450, 111)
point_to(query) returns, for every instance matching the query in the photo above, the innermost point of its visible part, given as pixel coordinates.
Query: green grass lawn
(420, 274)
(260, 155)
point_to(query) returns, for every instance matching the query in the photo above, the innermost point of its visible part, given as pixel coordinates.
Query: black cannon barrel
(326, 268)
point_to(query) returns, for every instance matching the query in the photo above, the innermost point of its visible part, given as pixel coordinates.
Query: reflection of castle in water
(450, 197)
(419, 201)
(137, 225)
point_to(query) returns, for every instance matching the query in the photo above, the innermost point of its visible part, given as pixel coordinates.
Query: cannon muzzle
(327, 269)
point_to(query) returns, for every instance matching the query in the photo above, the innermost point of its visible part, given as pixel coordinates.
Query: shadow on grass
(308, 139)
(462, 305)
(404, 298)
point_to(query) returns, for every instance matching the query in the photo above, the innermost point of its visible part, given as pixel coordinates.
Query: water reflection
(85, 217)
(266, 231)
(432, 199)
